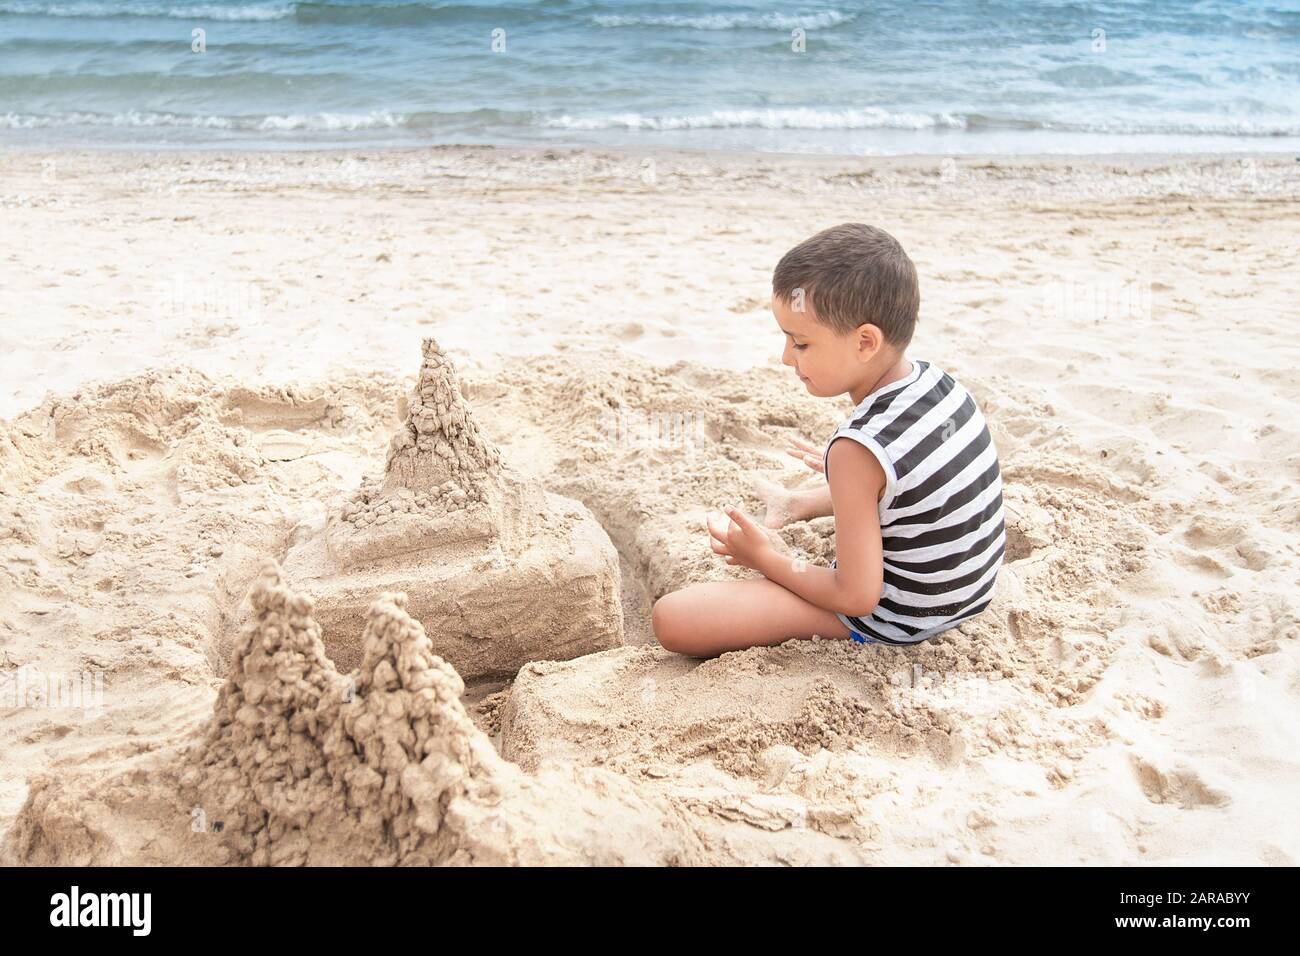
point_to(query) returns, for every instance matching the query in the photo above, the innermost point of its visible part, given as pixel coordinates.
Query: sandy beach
(202, 354)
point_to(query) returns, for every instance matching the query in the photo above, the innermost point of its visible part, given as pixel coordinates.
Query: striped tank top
(941, 519)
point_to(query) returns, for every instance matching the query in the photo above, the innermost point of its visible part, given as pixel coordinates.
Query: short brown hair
(853, 274)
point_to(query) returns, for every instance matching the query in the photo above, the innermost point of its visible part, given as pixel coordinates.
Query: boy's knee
(666, 620)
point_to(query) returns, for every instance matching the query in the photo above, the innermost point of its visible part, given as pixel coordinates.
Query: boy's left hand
(739, 539)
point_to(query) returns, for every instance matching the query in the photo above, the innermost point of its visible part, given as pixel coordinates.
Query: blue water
(893, 76)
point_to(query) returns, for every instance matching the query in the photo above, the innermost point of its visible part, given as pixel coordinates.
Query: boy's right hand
(808, 454)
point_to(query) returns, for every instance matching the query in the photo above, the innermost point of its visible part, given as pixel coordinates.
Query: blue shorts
(860, 638)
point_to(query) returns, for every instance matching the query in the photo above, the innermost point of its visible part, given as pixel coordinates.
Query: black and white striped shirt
(941, 516)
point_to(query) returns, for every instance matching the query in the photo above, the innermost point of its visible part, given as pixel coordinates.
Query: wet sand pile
(302, 765)
(1062, 726)
(498, 569)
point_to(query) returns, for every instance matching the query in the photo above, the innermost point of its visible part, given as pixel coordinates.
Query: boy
(915, 489)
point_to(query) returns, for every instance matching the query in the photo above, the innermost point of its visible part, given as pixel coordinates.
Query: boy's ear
(870, 341)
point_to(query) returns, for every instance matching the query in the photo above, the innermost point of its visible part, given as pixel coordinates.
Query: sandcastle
(499, 570)
(300, 764)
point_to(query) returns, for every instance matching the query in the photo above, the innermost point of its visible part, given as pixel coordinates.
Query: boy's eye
(798, 346)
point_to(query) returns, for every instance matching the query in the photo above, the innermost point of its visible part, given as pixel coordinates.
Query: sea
(801, 76)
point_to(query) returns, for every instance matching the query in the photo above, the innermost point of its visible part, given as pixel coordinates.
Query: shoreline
(1011, 158)
(884, 142)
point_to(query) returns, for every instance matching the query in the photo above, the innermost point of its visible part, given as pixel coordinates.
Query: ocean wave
(727, 21)
(400, 13)
(1203, 127)
(867, 118)
(130, 118)
(134, 91)
(488, 119)
(380, 119)
(143, 119)
(786, 118)
(100, 10)
(62, 46)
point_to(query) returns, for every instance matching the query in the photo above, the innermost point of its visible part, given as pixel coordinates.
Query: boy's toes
(766, 490)
(778, 516)
(776, 499)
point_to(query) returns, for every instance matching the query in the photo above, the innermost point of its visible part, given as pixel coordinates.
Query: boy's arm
(854, 586)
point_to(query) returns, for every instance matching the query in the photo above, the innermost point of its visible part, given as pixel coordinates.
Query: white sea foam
(875, 118)
(128, 118)
(801, 118)
(134, 118)
(727, 21)
(380, 119)
(199, 11)
(789, 118)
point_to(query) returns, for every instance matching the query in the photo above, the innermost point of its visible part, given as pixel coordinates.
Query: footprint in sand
(630, 331)
(1202, 563)
(747, 304)
(1027, 527)
(1179, 785)
(984, 302)
(1220, 538)
(281, 445)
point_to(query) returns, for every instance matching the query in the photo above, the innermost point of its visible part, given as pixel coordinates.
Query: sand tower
(499, 570)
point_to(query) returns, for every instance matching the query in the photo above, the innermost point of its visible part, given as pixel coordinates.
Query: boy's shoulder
(885, 404)
(928, 396)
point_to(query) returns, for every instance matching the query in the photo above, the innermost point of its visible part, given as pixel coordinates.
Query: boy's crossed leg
(704, 620)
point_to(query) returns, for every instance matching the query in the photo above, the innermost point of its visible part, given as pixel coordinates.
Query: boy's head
(847, 300)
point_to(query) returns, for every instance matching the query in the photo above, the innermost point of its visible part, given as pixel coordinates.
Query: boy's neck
(899, 369)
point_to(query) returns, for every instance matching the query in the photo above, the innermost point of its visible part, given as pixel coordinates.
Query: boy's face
(827, 363)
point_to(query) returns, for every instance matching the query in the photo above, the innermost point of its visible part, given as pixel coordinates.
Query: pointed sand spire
(440, 442)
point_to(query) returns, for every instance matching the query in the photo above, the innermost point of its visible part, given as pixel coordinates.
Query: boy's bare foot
(781, 503)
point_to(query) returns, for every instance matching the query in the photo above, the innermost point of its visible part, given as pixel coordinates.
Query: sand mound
(444, 483)
(1137, 618)
(500, 571)
(301, 765)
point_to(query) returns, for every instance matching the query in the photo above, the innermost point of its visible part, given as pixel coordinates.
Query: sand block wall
(634, 708)
(498, 569)
(488, 611)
